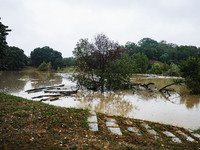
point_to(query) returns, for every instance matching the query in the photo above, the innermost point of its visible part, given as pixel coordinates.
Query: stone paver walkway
(195, 134)
(134, 130)
(92, 121)
(113, 126)
(114, 129)
(188, 138)
(174, 138)
(150, 130)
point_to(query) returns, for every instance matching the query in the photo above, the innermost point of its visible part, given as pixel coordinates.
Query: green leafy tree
(190, 70)
(173, 70)
(131, 47)
(68, 62)
(43, 66)
(118, 72)
(183, 52)
(14, 59)
(96, 69)
(46, 54)
(164, 58)
(3, 44)
(156, 69)
(149, 47)
(141, 62)
(58, 63)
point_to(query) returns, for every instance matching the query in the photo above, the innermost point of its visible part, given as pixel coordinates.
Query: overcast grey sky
(61, 23)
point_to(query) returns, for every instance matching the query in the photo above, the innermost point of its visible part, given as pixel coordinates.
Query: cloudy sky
(61, 23)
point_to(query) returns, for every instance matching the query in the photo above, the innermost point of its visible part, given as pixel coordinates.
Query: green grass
(26, 124)
(197, 131)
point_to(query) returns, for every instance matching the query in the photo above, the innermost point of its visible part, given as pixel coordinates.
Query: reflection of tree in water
(14, 81)
(186, 98)
(190, 100)
(147, 95)
(44, 79)
(9, 81)
(110, 103)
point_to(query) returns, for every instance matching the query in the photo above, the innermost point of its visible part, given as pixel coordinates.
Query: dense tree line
(46, 54)
(14, 59)
(162, 51)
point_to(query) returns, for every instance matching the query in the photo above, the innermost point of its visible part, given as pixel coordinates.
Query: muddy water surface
(181, 108)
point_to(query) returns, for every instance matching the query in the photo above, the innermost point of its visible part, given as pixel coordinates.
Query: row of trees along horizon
(108, 64)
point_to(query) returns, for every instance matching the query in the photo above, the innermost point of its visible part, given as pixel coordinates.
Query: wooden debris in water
(167, 91)
(55, 98)
(146, 86)
(45, 96)
(44, 88)
(62, 92)
(52, 89)
(50, 98)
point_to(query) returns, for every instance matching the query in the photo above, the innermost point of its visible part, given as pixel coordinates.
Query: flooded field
(181, 108)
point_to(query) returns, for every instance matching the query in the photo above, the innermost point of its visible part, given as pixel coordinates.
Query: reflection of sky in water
(180, 109)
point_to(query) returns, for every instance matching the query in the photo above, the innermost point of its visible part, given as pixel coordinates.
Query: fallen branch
(56, 97)
(146, 86)
(167, 91)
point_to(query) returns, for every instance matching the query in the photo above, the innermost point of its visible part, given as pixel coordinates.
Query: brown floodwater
(180, 109)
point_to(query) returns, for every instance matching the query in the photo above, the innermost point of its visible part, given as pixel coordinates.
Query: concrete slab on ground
(145, 125)
(134, 130)
(111, 120)
(196, 135)
(116, 131)
(92, 119)
(93, 126)
(92, 113)
(174, 138)
(111, 124)
(169, 134)
(188, 138)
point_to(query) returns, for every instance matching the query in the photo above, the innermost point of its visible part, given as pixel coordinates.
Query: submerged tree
(100, 65)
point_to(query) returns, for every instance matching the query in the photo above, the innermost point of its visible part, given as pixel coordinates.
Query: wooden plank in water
(45, 96)
(62, 92)
(58, 91)
(45, 87)
(50, 98)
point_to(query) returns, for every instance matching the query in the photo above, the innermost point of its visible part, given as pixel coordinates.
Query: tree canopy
(14, 59)
(162, 51)
(46, 54)
(100, 63)
(3, 44)
(190, 70)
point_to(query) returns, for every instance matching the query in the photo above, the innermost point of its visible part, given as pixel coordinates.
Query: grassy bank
(26, 124)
